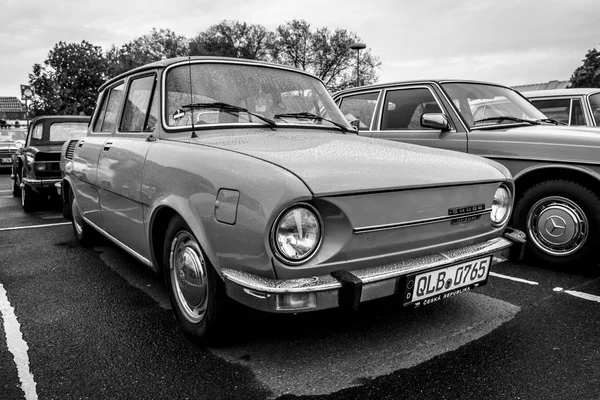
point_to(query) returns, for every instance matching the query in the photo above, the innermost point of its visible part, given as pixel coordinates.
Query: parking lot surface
(95, 323)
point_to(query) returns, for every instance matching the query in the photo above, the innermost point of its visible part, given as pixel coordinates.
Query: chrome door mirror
(435, 121)
(356, 125)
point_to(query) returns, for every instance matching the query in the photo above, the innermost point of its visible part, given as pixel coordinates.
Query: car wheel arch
(539, 173)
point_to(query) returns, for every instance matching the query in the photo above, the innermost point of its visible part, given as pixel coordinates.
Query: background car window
(136, 106)
(38, 130)
(403, 108)
(110, 107)
(11, 136)
(63, 131)
(595, 105)
(577, 117)
(556, 109)
(361, 107)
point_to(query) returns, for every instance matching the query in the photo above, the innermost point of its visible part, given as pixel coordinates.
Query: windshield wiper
(551, 121)
(507, 118)
(231, 107)
(307, 115)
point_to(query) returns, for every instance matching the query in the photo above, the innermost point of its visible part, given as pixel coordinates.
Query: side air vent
(70, 149)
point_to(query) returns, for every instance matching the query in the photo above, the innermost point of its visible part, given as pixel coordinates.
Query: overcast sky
(511, 42)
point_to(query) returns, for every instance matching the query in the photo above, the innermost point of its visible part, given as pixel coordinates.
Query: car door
(361, 107)
(399, 119)
(121, 165)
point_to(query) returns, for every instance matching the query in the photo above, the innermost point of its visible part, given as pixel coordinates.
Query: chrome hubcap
(189, 280)
(557, 226)
(77, 219)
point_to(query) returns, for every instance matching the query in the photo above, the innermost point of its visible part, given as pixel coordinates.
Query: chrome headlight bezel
(509, 205)
(279, 253)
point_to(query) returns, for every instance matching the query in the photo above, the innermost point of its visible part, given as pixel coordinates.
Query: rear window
(63, 131)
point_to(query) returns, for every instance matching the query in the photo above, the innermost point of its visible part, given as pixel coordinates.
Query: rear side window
(577, 117)
(110, 108)
(595, 105)
(137, 104)
(402, 109)
(360, 107)
(556, 109)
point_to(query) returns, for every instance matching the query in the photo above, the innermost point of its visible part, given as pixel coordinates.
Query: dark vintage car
(556, 168)
(574, 107)
(242, 180)
(35, 166)
(10, 141)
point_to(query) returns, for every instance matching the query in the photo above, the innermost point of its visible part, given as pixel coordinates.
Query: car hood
(332, 163)
(8, 146)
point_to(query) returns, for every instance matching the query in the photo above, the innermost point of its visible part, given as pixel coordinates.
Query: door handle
(107, 146)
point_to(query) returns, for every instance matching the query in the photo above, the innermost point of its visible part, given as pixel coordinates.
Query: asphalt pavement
(95, 323)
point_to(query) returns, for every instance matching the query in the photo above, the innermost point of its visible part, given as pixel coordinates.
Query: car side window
(556, 109)
(137, 104)
(402, 109)
(107, 117)
(577, 117)
(38, 131)
(360, 107)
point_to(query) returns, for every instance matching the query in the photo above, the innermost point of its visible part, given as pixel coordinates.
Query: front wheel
(196, 292)
(562, 222)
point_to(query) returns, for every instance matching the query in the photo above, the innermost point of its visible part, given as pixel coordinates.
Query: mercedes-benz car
(241, 180)
(35, 165)
(556, 168)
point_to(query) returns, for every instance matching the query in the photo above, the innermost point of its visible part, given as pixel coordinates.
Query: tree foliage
(232, 39)
(588, 74)
(68, 81)
(154, 46)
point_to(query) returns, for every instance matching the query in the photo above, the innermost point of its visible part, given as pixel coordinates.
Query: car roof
(560, 92)
(61, 118)
(377, 86)
(170, 61)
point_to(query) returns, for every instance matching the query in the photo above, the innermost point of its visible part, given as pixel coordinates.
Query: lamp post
(358, 47)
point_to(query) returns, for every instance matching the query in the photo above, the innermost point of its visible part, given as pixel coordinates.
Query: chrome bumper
(41, 183)
(350, 288)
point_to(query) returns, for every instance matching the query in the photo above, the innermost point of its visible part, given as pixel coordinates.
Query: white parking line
(581, 295)
(15, 228)
(5, 191)
(512, 278)
(17, 346)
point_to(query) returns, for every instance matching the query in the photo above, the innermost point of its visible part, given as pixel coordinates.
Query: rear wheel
(28, 196)
(196, 292)
(562, 222)
(16, 189)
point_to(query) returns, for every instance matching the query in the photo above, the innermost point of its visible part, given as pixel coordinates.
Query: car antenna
(191, 98)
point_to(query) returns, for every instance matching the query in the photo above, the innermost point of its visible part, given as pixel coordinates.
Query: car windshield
(11, 136)
(483, 105)
(230, 93)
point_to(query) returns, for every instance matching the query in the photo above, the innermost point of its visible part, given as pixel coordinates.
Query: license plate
(432, 286)
(6, 161)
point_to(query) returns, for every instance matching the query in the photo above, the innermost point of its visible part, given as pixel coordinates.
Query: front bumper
(350, 288)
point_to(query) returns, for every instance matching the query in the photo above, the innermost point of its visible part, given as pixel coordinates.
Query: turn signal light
(296, 301)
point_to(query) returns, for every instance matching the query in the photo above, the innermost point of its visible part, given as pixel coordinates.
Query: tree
(68, 81)
(323, 53)
(233, 39)
(588, 74)
(154, 46)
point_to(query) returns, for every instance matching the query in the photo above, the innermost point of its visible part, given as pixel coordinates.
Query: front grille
(71, 149)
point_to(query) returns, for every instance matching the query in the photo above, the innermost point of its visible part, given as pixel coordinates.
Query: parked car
(242, 180)
(556, 168)
(10, 141)
(35, 166)
(574, 107)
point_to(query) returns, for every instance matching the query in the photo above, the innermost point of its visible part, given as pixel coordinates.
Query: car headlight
(40, 166)
(501, 206)
(297, 234)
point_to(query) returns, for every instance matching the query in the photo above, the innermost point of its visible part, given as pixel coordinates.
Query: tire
(562, 221)
(198, 298)
(84, 233)
(16, 189)
(28, 196)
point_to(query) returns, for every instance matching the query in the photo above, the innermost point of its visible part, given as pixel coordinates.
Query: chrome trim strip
(128, 249)
(367, 275)
(396, 225)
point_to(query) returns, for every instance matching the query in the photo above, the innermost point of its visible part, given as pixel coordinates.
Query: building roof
(560, 92)
(10, 104)
(542, 86)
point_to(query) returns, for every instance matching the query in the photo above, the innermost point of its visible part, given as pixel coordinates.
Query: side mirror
(435, 121)
(19, 143)
(355, 124)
